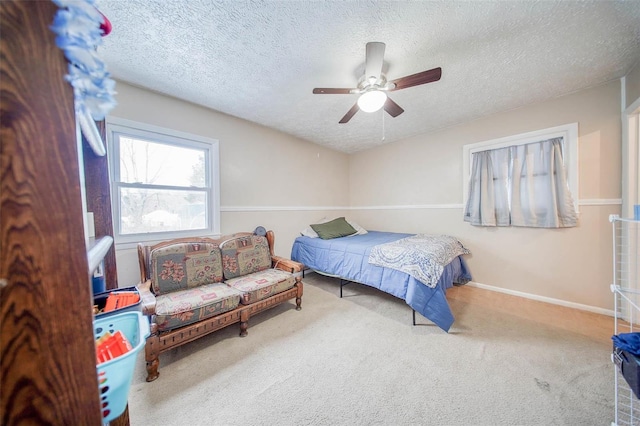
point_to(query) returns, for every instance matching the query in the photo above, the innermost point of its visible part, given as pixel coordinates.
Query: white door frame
(630, 158)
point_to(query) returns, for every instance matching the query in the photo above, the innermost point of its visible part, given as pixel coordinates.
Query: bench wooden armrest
(147, 298)
(278, 262)
(286, 264)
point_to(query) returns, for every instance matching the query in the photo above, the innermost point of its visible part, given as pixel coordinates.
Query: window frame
(569, 135)
(119, 126)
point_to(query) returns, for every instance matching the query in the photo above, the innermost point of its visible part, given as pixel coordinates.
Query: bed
(347, 258)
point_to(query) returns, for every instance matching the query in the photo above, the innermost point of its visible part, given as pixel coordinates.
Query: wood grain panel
(47, 353)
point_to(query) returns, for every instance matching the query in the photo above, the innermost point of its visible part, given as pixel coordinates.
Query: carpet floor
(359, 361)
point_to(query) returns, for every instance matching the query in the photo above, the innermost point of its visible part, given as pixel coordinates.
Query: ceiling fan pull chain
(383, 125)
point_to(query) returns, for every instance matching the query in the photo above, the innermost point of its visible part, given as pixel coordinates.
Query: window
(164, 183)
(523, 180)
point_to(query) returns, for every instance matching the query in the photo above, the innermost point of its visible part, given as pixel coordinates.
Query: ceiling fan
(373, 85)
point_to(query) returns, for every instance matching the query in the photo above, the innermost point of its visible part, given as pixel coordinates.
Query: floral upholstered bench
(191, 287)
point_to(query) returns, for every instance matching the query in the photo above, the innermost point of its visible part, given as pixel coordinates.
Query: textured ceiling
(260, 60)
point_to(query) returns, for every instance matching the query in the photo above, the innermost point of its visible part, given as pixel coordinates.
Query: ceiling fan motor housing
(372, 83)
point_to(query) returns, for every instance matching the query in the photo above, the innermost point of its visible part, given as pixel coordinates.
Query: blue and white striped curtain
(523, 185)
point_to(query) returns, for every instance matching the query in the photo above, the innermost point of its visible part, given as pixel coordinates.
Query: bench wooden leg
(244, 322)
(151, 352)
(299, 295)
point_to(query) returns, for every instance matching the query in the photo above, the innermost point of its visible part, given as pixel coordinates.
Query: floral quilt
(422, 256)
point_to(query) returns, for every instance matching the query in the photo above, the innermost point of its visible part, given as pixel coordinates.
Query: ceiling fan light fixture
(372, 100)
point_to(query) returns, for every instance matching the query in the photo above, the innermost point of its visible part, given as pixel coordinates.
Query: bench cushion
(182, 266)
(262, 284)
(244, 255)
(180, 308)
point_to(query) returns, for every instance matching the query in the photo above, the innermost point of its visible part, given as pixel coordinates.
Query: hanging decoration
(79, 27)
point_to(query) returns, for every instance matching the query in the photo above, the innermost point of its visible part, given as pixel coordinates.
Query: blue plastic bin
(114, 376)
(629, 365)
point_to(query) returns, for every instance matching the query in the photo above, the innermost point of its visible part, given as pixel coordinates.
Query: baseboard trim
(538, 298)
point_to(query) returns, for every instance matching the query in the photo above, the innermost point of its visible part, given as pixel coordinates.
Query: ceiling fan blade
(355, 108)
(329, 91)
(417, 79)
(374, 59)
(392, 108)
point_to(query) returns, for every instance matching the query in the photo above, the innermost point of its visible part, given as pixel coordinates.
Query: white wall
(419, 181)
(267, 178)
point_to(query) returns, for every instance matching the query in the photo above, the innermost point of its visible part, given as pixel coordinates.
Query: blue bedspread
(347, 258)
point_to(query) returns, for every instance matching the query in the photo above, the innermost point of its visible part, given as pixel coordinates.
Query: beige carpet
(358, 361)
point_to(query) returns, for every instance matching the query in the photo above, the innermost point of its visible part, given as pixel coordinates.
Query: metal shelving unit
(626, 290)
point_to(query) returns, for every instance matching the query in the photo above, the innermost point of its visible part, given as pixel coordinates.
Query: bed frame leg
(414, 316)
(343, 282)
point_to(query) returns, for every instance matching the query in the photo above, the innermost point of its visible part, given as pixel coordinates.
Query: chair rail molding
(232, 209)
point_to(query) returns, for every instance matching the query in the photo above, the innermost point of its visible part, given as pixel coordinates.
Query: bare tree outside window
(162, 187)
(165, 183)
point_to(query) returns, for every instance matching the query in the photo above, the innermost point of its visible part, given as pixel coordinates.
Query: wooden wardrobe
(47, 352)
